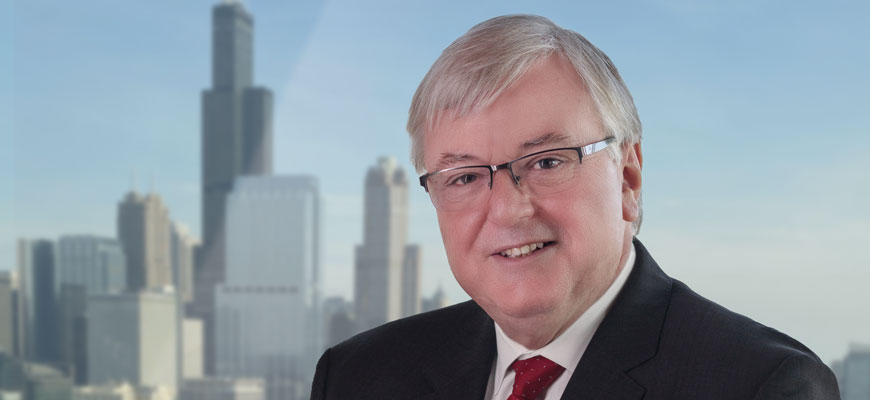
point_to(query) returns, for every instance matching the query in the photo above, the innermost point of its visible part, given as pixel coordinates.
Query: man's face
(586, 228)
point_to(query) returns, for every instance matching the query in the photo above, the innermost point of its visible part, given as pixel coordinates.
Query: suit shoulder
(728, 354)
(699, 319)
(392, 360)
(408, 337)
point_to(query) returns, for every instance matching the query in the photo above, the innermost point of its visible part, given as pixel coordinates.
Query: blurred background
(197, 198)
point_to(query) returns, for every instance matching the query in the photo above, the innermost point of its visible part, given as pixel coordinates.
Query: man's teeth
(521, 251)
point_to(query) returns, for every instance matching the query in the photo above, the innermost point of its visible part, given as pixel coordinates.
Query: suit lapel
(627, 337)
(463, 370)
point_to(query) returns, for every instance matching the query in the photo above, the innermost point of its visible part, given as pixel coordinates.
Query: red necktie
(533, 377)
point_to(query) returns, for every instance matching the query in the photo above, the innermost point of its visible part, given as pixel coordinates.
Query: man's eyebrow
(448, 160)
(547, 138)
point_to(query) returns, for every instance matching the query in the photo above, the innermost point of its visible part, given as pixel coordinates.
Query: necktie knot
(533, 376)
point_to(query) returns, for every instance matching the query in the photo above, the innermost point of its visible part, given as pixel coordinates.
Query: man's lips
(524, 249)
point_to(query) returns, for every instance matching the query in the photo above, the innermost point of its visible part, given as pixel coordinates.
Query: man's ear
(632, 163)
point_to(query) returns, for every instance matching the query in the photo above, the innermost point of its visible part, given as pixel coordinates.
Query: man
(531, 146)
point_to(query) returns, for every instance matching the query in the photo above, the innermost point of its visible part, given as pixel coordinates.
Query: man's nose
(508, 202)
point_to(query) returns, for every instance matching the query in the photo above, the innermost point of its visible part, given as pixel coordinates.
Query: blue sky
(755, 129)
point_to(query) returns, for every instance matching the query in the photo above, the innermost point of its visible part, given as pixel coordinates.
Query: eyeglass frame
(582, 151)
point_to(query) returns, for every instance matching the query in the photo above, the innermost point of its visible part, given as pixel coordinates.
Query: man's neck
(537, 331)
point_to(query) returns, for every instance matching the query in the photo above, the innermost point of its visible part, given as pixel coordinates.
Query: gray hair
(475, 69)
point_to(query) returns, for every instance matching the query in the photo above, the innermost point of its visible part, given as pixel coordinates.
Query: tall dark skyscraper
(236, 140)
(37, 303)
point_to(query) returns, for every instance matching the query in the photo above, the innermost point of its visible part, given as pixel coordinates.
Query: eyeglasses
(542, 173)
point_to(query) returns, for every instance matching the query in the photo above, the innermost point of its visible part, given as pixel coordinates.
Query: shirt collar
(567, 349)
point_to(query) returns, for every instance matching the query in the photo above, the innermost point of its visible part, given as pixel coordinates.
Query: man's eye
(463, 179)
(547, 163)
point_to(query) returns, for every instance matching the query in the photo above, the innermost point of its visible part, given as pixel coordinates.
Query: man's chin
(515, 309)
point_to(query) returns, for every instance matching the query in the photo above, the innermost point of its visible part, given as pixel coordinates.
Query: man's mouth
(524, 250)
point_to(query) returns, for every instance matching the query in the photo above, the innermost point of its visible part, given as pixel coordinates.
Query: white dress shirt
(566, 350)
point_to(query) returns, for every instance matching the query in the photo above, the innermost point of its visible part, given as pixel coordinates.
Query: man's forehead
(447, 159)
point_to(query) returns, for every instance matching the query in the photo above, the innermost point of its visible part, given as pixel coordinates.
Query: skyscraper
(143, 230)
(383, 255)
(37, 303)
(236, 140)
(97, 263)
(267, 323)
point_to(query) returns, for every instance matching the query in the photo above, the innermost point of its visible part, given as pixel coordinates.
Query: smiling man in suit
(530, 146)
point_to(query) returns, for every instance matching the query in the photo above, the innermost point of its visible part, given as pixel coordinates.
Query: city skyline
(766, 91)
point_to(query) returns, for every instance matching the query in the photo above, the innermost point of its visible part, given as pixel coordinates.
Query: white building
(266, 311)
(222, 389)
(385, 265)
(133, 338)
(192, 353)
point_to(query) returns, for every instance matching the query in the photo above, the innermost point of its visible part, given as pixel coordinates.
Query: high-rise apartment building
(267, 323)
(94, 262)
(36, 300)
(132, 337)
(143, 230)
(383, 256)
(236, 140)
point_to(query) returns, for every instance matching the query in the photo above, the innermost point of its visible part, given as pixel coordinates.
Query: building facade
(192, 353)
(143, 230)
(131, 337)
(383, 257)
(183, 246)
(853, 373)
(42, 382)
(267, 320)
(37, 302)
(8, 313)
(213, 388)
(96, 263)
(438, 300)
(236, 141)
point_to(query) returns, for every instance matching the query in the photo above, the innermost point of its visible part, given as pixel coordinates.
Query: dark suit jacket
(660, 340)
